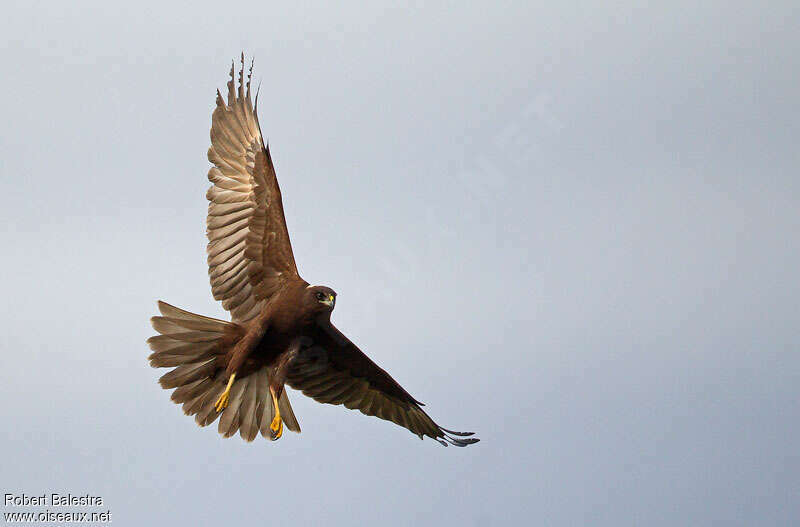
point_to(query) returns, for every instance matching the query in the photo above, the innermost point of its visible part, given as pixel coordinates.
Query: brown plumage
(280, 330)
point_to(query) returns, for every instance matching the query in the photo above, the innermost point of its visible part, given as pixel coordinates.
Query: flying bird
(280, 330)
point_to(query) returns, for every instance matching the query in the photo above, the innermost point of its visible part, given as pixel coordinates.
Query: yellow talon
(222, 402)
(276, 426)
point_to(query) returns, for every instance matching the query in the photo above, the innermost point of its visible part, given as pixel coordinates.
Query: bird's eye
(320, 296)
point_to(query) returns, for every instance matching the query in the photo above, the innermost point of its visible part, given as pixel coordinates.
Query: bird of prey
(280, 330)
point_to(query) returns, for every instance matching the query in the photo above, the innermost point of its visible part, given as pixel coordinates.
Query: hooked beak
(329, 301)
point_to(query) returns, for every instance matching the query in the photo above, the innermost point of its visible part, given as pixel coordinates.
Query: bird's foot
(276, 428)
(222, 401)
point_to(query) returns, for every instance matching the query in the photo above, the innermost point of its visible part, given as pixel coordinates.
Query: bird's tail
(194, 346)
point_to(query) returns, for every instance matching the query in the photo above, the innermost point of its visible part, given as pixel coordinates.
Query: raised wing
(249, 253)
(335, 371)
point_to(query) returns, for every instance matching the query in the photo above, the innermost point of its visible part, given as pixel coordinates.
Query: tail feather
(171, 311)
(169, 325)
(287, 414)
(206, 412)
(230, 420)
(188, 373)
(263, 402)
(191, 345)
(182, 354)
(190, 392)
(248, 428)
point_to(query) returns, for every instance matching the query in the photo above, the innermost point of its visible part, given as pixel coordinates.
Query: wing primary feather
(460, 442)
(462, 434)
(241, 79)
(250, 75)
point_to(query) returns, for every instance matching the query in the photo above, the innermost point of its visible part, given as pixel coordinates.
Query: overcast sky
(570, 228)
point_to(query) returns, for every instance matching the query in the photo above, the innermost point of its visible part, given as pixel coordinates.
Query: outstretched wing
(249, 253)
(335, 371)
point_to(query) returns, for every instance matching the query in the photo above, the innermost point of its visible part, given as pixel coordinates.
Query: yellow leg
(222, 402)
(276, 426)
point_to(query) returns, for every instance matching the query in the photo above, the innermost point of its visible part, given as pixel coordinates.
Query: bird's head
(320, 299)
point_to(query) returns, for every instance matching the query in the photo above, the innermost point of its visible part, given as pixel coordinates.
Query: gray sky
(572, 229)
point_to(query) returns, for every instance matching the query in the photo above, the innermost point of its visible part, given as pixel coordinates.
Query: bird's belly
(271, 346)
(268, 350)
